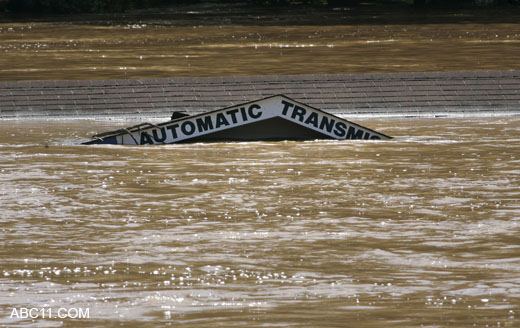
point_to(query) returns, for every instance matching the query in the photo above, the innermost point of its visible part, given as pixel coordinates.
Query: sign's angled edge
(335, 116)
(216, 110)
(133, 134)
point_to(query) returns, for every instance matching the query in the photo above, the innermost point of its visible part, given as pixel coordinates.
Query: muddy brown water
(420, 230)
(203, 43)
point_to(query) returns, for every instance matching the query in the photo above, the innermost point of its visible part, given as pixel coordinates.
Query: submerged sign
(273, 118)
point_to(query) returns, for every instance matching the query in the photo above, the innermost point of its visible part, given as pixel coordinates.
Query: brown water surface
(245, 43)
(420, 230)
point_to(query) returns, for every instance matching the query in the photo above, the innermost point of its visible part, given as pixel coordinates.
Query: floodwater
(241, 43)
(420, 230)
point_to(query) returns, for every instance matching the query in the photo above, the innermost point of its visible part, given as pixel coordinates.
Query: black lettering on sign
(204, 124)
(327, 123)
(233, 114)
(286, 106)
(340, 129)
(244, 114)
(173, 129)
(221, 120)
(188, 128)
(252, 108)
(312, 119)
(374, 137)
(353, 134)
(145, 139)
(298, 111)
(156, 137)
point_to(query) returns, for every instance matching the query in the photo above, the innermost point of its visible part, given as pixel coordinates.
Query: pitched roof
(272, 118)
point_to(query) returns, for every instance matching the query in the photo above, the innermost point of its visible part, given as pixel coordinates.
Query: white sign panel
(192, 127)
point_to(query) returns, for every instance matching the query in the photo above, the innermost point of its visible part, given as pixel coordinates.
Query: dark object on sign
(177, 115)
(272, 118)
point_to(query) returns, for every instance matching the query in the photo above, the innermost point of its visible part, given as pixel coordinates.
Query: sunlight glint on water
(419, 230)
